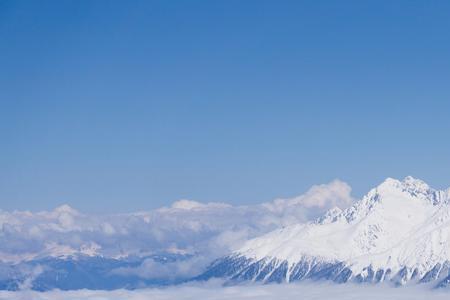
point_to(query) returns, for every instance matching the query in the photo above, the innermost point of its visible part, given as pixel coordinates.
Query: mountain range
(398, 233)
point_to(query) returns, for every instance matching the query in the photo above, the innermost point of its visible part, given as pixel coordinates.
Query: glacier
(398, 233)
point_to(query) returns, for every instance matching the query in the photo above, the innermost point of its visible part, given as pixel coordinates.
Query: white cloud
(151, 269)
(207, 230)
(310, 291)
(317, 200)
(192, 205)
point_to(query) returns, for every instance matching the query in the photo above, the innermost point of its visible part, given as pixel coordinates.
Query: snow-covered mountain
(399, 232)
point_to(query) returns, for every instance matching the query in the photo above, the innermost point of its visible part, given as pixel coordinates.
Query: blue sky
(122, 106)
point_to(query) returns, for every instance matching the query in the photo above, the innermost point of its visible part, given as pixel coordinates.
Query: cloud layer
(310, 291)
(203, 230)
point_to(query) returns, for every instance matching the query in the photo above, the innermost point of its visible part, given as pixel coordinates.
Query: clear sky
(130, 105)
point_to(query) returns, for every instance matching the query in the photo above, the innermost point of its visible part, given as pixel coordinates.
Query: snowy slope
(400, 231)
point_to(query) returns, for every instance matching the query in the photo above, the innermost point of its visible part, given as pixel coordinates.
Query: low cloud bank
(206, 230)
(310, 291)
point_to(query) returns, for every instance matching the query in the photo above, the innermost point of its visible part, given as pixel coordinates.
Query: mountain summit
(398, 232)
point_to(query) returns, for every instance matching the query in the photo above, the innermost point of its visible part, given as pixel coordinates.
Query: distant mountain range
(399, 232)
(83, 272)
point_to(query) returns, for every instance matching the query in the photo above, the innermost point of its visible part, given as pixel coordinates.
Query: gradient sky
(120, 106)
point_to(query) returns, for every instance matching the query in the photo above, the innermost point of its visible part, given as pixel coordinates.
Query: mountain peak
(407, 181)
(415, 183)
(415, 187)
